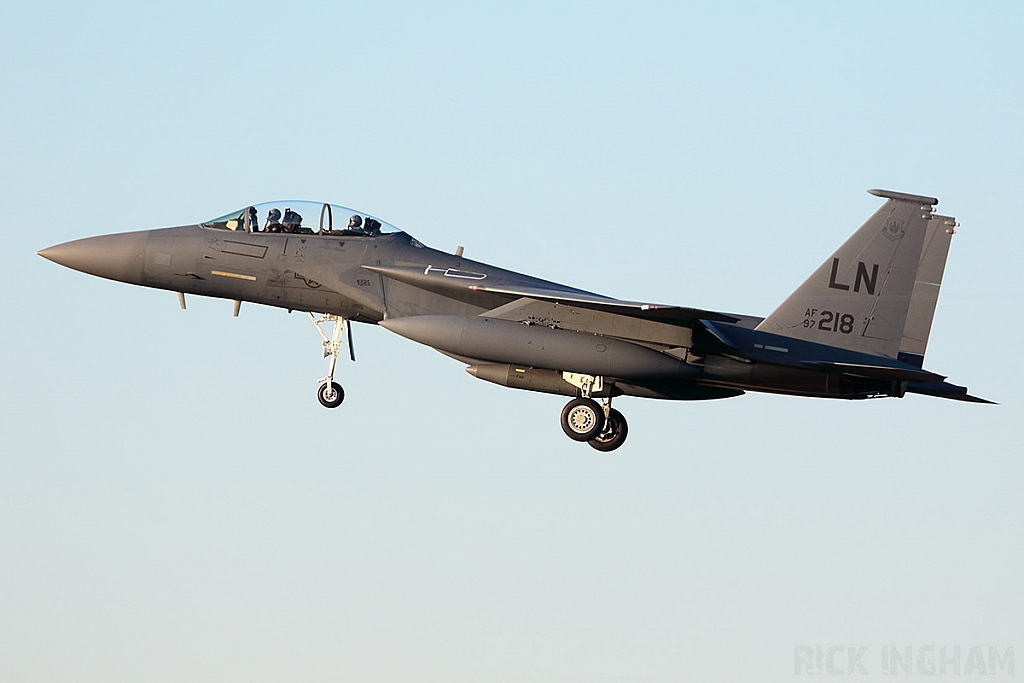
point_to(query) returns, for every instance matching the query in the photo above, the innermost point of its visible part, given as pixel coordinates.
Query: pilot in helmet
(273, 221)
(292, 221)
(355, 223)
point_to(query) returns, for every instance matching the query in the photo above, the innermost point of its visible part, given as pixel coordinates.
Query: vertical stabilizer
(858, 299)
(926, 289)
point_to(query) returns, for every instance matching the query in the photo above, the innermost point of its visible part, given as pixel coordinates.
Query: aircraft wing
(635, 309)
(463, 285)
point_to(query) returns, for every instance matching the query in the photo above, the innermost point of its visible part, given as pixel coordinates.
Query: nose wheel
(330, 394)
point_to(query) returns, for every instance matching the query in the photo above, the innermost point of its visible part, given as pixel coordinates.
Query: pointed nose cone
(116, 257)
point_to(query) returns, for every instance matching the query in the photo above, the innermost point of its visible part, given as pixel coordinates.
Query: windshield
(302, 217)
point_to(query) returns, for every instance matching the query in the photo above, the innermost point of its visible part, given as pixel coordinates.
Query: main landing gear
(330, 392)
(584, 419)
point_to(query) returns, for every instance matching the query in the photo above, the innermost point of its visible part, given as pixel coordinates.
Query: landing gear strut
(330, 393)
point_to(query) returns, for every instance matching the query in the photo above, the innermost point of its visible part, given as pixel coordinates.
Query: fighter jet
(857, 328)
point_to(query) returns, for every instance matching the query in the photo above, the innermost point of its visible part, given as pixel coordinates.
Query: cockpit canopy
(302, 217)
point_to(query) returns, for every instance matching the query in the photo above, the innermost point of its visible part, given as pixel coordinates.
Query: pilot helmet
(355, 221)
(274, 215)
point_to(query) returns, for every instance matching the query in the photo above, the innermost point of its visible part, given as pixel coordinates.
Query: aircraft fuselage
(524, 332)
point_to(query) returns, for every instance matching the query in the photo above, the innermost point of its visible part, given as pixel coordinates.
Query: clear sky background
(175, 504)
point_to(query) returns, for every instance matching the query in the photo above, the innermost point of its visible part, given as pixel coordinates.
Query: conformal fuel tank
(503, 341)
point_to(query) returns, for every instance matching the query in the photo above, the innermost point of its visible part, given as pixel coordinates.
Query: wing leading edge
(678, 315)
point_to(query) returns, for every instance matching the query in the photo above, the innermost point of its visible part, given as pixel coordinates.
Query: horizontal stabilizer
(907, 374)
(972, 399)
(945, 390)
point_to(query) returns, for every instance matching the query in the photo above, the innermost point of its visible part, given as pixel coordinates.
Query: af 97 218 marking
(830, 321)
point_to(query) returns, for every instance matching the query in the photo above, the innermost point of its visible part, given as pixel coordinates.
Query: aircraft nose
(115, 257)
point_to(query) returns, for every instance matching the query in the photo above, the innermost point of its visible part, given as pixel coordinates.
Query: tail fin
(926, 289)
(859, 298)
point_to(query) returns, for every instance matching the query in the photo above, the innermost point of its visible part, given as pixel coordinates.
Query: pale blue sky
(175, 505)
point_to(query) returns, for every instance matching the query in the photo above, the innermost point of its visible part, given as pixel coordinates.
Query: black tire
(324, 394)
(614, 434)
(582, 419)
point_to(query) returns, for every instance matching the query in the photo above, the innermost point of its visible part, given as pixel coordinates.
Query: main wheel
(330, 395)
(613, 435)
(582, 419)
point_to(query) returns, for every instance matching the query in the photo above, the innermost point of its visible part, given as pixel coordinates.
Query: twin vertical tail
(926, 289)
(877, 293)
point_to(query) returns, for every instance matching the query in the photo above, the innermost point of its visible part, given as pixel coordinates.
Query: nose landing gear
(330, 393)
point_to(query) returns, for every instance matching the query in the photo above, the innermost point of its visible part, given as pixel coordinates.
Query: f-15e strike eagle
(856, 328)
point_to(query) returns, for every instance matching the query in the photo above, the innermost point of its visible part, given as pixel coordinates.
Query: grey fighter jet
(857, 328)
